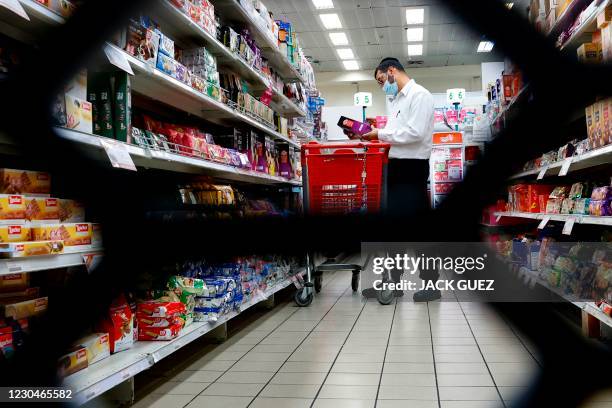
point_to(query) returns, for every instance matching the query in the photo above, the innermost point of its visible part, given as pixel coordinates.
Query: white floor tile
(232, 390)
(264, 402)
(468, 394)
(163, 401)
(408, 368)
(305, 367)
(352, 379)
(210, 401)
(367, 392)
(179, 388)
(245, 377)
(400, 380)
(290, 391)
(299, 378)
(465, 380)
(342, 403)
(407, 393)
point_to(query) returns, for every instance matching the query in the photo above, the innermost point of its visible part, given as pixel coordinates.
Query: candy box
(119, 324)
(12, 208)
(32, 248)
(24, 308)
(24, 182)
(122, 118)
(42, 210)
(74, 361)
(159, 333)
(79, 114)
(73, 235)
(97, 346)
(142, 43)
(166, 45)
(167, 65)
(14, 233)
(71, 211)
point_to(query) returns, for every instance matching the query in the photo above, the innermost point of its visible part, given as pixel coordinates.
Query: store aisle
(345, 352)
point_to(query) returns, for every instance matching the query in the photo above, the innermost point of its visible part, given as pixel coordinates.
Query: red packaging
(119, 325)
(441, 176)
(159, 333)
(160, 309)
(145, 321)
(534, 191)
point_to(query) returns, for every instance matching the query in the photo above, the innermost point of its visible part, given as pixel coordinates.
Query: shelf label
(14, 267)
(565, 167)
(544, 222)
(117, 58)
(569, 226)
(118, 155)
(542, 173)
(16, 7)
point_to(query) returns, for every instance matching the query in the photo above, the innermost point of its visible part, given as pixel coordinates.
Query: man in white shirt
(409, 130)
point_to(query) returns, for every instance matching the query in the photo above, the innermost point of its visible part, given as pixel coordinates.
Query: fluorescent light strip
(414, 34)
(345, 53)
(415, 50)
(485, 46)
(323, 4)
(351, 65)
(339, 38)
(415, 16)
(330, 21)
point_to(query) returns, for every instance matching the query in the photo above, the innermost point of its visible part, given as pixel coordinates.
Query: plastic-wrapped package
(581, 206)
(160, 308)
(602, 193)
(600, 208)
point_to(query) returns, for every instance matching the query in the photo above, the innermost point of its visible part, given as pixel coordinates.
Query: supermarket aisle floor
(344, 351)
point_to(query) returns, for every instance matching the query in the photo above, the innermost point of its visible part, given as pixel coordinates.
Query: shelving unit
(174, 162)
(110, 372)
(42, 263)
(580, 219)
(28, 31)
(588, 26)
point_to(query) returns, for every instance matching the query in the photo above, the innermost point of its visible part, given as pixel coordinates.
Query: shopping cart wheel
(318, 283)
(355, 281)
(385, 297)
(303, 297)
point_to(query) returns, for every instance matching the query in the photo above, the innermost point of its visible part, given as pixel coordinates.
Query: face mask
(390, 87)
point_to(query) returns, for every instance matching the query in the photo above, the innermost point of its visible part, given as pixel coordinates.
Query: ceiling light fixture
(485, 46)
(415, 50)
(415, 16)
(345, 53)
(323, 4)
(414, 34)
(330, 21)
(509, 5)
(351, 65)
(338, 38)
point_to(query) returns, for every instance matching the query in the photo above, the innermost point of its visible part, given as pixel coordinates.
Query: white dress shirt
(410, 123)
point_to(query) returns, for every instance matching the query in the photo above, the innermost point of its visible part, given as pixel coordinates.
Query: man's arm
(412, 122)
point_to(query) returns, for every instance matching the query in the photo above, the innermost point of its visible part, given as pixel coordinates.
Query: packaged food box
(589, 52)
(97, 346)
(119, 324)
(147, 321)
(142, 43)
(122, 105)
(160, 309)
(96, 238)
(14, 282)
(31, 248)
(167, 65)
(79, 114)
(73, 235)
(71, 211)
(42, 209)
(14, 233)
(12, 208)
(159, 333)
(25, 308)
(73, 362)
(14, 181)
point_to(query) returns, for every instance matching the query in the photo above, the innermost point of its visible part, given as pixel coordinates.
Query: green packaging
(122, 105)
(92, 97)
(105, 106)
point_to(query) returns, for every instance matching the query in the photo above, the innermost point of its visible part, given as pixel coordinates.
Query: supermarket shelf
(594, 311)
(233, 11)
(156, 85)
(511, 104)
(285, 106)
(588, 26)
(174, 162)
(110, 372)
(580, 219)
(568, 17)
(41, 19)
(590, 159)
(42, 263)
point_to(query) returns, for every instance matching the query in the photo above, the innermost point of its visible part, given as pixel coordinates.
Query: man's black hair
(387, 63)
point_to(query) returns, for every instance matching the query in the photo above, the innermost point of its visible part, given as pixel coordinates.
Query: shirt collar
(406, 89)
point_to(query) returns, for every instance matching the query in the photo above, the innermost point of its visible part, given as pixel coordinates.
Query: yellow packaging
(97, 346)
(78, 114)
(77, 234)
(12, 207)
(596, 133)
(72, 362)
(589, 121)
(71, 211)
(603, 19)
(14, 282)
(589, 52)
(32, 248)
(24, 182)
(26, 308)
(42, 209)
(14, 233)
(607, 120)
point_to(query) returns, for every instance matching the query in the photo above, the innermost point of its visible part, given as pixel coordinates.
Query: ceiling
(376, 29)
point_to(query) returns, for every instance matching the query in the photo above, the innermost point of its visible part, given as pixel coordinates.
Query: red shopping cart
(341, 178)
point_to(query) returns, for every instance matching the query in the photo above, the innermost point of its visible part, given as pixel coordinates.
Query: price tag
(16, 7)
(569, 226)
(542, 173)
(565, 167)
(499, 217)
(544, 222)
(117, 58)
(118, 154)
(14, 267)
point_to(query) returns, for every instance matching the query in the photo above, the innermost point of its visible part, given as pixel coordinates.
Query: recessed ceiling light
(338, 38)
(345, 53)
(415, 49)
(415, 34)
(323, 4)
(330, 21)
(351, 65)
(509, 5)
(485, 46)
(415, 16)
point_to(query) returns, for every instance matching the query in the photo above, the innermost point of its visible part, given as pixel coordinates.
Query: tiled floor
(343, 351)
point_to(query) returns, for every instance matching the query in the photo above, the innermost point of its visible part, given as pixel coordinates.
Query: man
(409, 130)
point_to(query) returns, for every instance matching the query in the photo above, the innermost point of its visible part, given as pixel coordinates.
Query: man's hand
(373, 135)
